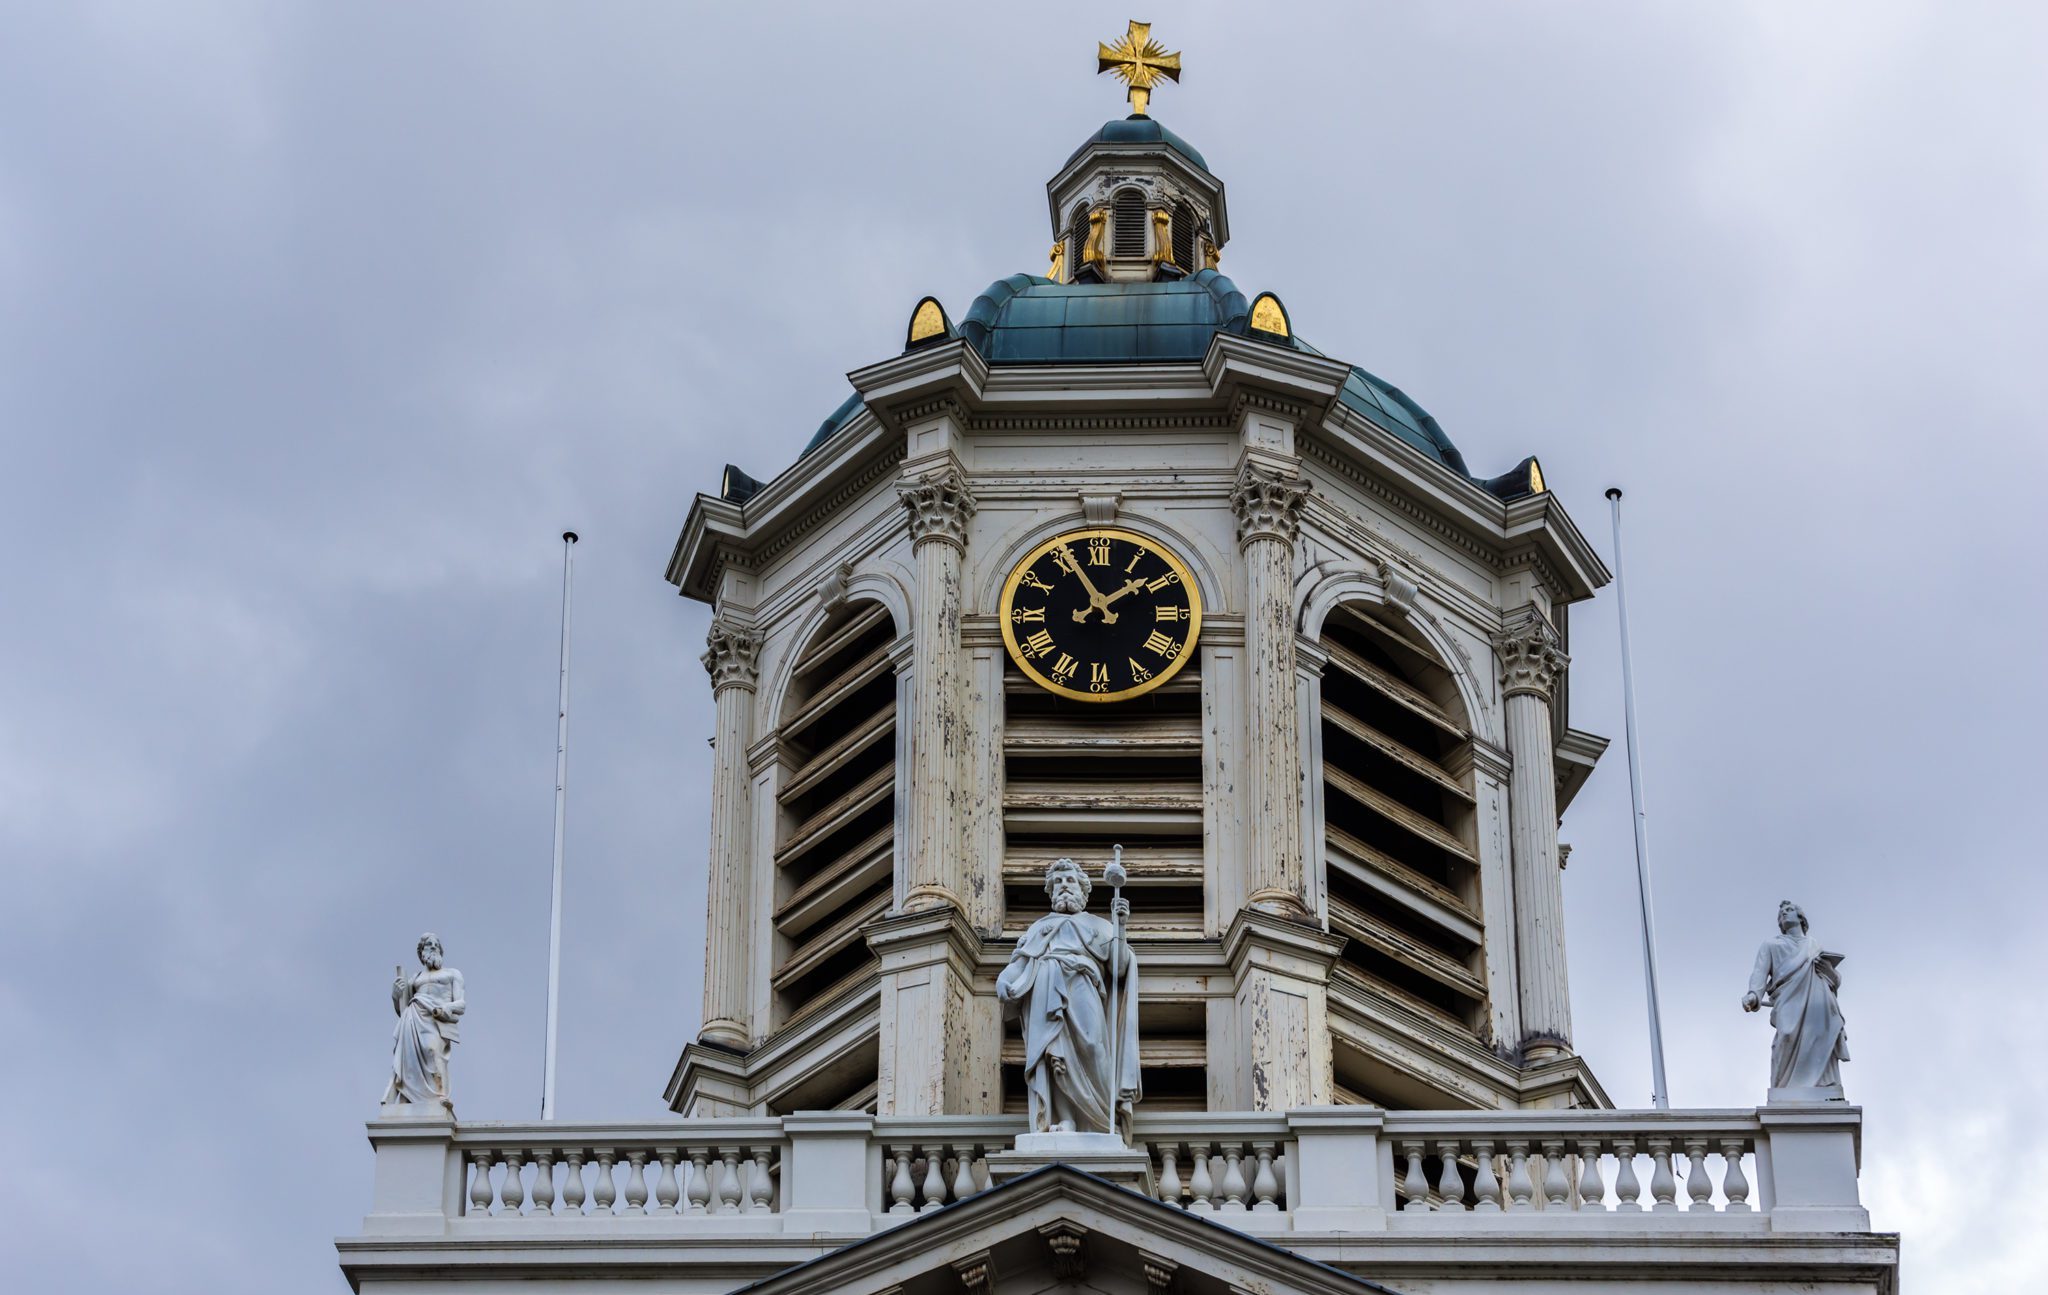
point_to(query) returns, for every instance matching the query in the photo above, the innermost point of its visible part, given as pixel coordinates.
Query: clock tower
(1115, 557)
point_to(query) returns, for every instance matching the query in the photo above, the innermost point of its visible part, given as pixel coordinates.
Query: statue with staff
(1072, 984)
(428, 1005)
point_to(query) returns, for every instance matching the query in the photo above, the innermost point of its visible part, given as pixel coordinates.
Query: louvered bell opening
(1184, 237)
(1080, 778)
(1398, 822)
(835, 855)
(1129, 218)
(1077, 239)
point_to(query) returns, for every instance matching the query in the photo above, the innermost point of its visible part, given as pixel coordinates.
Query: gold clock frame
(1149, 542)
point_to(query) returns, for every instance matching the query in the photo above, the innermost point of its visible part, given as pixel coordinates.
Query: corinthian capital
(732, 655)
(1267, 503)
(1531, 657)
(940, 506)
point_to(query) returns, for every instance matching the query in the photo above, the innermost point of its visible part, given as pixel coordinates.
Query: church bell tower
(1116, 558)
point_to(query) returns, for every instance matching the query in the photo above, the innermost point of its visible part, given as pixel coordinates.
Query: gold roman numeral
(1027, 615)
(1169, 578)
(1139, 674)
(1038, 644)
(1063, 669)
(1168, 612)
(1098, 676)
(1162, 645)
(1134, 560)
(1098, 553)
(1031, 578)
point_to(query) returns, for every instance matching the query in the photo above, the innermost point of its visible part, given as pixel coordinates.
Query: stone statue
(427, 1005)
(1060, 983)
(1798, 981)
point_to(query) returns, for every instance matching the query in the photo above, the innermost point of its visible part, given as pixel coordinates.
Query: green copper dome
(1027, 319)
(1139, 130)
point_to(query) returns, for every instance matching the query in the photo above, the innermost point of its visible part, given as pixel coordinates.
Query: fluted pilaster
(732, 658)
(1268, 504)
(1531, 660)
(940, 507)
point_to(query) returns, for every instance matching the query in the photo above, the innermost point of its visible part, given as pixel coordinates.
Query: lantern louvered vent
(1184, 237)
(1080, 778)
(1129, 219)
(1077, 239)
(835, 854)
(1398, 826)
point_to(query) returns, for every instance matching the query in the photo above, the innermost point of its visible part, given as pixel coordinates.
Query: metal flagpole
(1114, 874)
(547, 1087)
(1660, 1093)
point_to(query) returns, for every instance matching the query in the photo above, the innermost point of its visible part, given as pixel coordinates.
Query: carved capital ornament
(1531, 656)
(1268, 504)
(732, 656)
(940, 506)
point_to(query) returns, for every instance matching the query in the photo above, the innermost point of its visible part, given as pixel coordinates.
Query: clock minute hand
(1095, 598)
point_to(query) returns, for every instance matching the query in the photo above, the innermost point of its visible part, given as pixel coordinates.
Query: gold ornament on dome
(1058, 270)
(1162, 236)
(1139, 62)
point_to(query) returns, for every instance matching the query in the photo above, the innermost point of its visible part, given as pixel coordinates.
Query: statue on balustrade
(428, 1006)
(1798, 981)
(1073, 983)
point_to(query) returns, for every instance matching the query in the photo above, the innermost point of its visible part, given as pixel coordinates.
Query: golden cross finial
(1139, 61)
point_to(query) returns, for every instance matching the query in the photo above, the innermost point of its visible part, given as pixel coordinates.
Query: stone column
(1268, 502)
(1531, 662)
(733, 660)
(940, 508)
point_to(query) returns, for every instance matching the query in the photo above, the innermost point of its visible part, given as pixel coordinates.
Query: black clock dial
(1101, 614)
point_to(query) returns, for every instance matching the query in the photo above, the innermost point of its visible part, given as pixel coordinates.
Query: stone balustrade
(1310, 1171)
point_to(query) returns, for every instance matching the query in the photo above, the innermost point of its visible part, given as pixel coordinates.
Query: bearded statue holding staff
(1080, 1053)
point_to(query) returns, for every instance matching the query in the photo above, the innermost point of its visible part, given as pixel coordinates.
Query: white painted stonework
(1353, 1032)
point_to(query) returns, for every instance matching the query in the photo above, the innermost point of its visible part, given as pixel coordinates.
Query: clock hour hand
(1130, 586)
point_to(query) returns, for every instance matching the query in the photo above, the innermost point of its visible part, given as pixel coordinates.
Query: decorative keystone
(940, 506)
(733, 656)
(1531, 656)
(1267, 503)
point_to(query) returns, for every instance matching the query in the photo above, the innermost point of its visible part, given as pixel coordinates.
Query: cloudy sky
(318, 325)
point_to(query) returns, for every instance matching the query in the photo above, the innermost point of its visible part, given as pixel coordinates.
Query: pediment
(1059, 1229)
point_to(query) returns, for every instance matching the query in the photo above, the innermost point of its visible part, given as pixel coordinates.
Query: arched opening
(1128, 220)
(1184, 237)
(836, 843)
(1402, 868)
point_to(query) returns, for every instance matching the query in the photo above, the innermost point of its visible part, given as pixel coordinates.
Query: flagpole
(1660, 1092)
(547, 1088)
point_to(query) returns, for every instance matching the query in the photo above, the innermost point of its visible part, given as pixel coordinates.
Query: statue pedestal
(416, 1111)
(1102, 1154)
(1796, 1096)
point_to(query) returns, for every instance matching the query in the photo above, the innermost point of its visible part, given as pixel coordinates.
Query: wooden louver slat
(1398, 691)
(1405, 756)
(1387, 939)
(829, 695)
(871, 791)
(843, 748)
(865, 865)
(1400, 815)
(1347, 852)
(825, 649)
(832, 939)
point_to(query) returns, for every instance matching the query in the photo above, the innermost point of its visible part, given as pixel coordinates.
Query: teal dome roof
(1027, 319)
(1140, 130)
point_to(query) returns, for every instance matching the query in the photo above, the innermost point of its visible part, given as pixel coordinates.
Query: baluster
(636, 1182)
(697, 1196)
(1697, 1184)
(1628, 1191)
(762, 1198)
(1733, 1185)
(1662, 1185)
(901, 1187)
(729, 1190)
(1557, 1184)
(1265, 1187)
(1413, 1185)
(607, 1186)
(1520, 1189)
(934, 1181)
(1169, 1174)
(1592, 1188)
(512, 1192)
(1484, 1185)
(1450, 1184)
(572, 1184)
(544, 1183)
(480, 1183)
(665, 1194)
(1280, 1172)
(1201, 1186)
(963, 1172)
(1233, 1178)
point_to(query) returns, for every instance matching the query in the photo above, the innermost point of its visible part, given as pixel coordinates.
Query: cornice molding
(992, 422)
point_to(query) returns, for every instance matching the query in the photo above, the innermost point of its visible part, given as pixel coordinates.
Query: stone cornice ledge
(949, 369)
(1234, 364)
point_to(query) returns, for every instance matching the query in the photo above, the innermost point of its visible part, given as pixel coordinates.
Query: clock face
(1101, 614)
